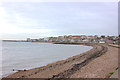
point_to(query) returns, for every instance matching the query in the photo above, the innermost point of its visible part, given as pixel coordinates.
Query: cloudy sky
(19, 20)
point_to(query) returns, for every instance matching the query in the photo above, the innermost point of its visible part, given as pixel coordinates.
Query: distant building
(95, 36)
(83, 37)
(28, 39)
(90, 37)
(53, 39)
(34, 40)
(46, 39)
(72, 40)
(85, 40)
(101, 42)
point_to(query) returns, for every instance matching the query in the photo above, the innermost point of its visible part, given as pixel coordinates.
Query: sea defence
(79, 66)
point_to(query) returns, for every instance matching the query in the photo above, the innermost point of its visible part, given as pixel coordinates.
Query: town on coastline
(78, 39)
(75, 39)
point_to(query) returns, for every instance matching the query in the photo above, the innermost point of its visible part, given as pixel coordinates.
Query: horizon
(58, 36)
(20, 20)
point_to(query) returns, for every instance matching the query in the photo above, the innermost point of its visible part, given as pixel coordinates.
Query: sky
(20, 20)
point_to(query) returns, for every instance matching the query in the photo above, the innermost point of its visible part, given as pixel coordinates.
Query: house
(46, 39)
(89, 37)
(83, 37)
(28, 39)
(54, 39)
(95, 36)
(72, 40)
(60, 38)
(33, 40)
(85, 40)
(101, 42)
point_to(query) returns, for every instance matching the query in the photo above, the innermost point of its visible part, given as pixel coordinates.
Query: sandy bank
(96, 63)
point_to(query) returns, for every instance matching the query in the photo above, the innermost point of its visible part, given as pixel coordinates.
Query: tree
(103, 36)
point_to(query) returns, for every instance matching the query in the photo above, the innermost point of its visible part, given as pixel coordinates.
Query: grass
(111, 73)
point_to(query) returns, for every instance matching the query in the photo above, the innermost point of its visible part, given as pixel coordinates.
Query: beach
(99, 62)
(59, 39)
(29, 55)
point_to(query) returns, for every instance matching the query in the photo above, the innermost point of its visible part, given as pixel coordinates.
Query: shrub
(111, 73)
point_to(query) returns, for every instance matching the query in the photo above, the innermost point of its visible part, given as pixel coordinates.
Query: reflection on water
(27, 55)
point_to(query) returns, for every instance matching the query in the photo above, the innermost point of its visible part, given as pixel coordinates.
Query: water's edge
(49, 63)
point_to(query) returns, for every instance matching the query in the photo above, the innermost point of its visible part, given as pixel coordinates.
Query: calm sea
(27, 55)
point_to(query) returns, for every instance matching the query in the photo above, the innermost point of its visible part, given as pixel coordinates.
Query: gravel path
(101, 67)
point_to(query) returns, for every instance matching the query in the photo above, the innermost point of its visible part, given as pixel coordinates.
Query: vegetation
(103, 37)
(116, 68)
(111, 73)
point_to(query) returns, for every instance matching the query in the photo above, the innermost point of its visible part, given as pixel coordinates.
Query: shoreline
(64, 68)
(19, 70)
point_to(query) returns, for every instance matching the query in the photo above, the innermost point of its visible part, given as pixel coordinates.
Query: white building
(46, 39)
(28, 39)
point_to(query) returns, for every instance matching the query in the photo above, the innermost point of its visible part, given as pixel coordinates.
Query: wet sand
(96, 63)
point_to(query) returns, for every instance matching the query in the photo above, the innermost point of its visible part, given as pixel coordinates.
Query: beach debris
(19, 70)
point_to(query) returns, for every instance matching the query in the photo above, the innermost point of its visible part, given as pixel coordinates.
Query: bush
(111, 73)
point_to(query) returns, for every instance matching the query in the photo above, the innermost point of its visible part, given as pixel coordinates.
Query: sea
(28, 55)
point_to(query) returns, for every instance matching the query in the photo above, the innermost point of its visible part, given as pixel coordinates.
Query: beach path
(100, 67)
